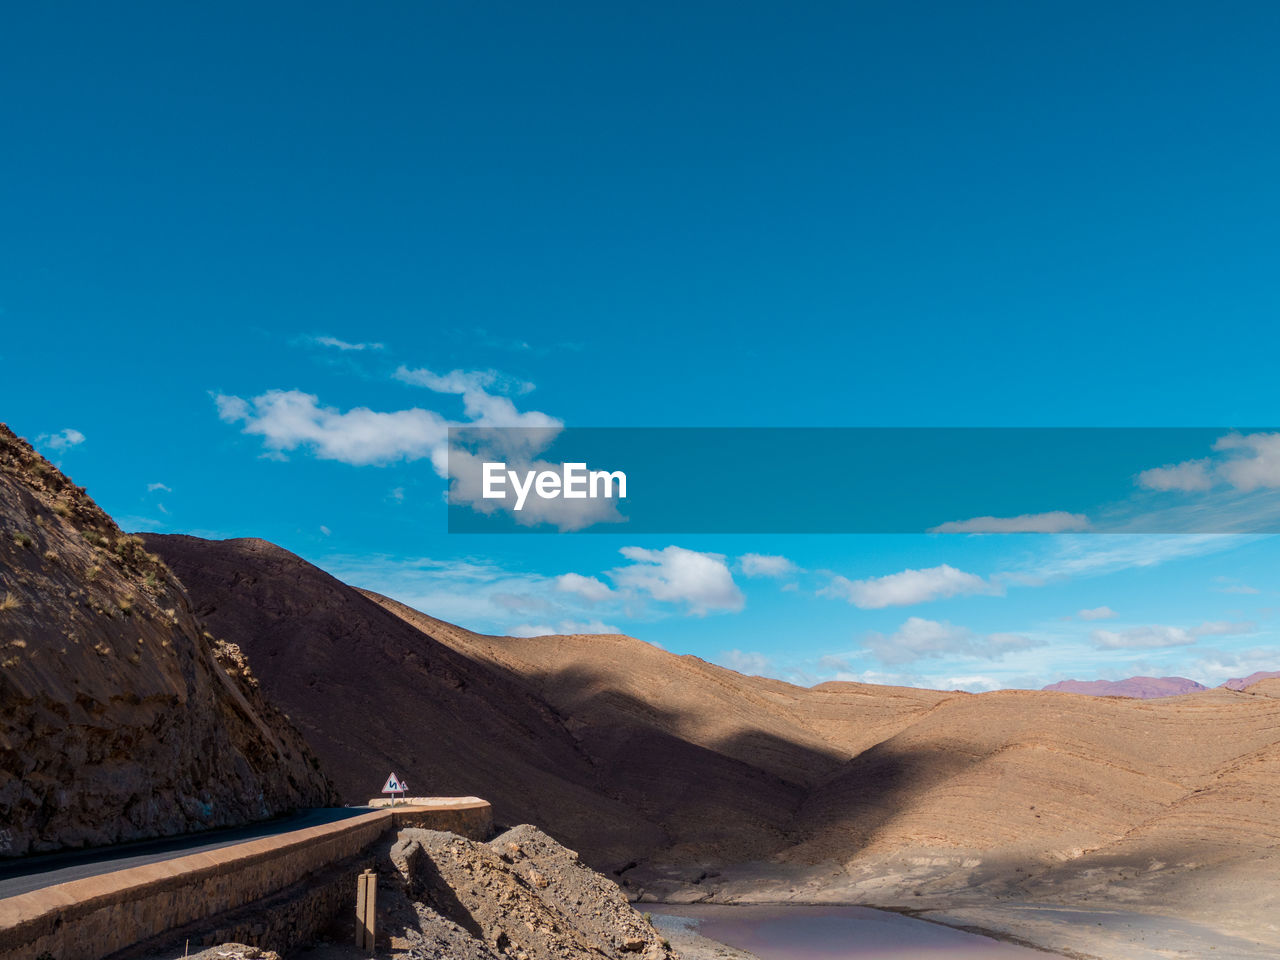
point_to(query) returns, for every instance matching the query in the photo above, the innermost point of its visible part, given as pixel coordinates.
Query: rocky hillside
(121, 717)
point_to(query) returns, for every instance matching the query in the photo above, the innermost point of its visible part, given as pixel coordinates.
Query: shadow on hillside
(727, 802)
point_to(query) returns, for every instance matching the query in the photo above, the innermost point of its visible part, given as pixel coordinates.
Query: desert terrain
(177, 684)
(689, 782)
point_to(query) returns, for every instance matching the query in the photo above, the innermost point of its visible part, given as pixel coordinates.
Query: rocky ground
(521, 896)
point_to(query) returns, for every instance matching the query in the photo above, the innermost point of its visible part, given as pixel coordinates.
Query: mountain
(690, 780)
(1141, 688)
(120, 716)
(374, 694)
(1244, 683)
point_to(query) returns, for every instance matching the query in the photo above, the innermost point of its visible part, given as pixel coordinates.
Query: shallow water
(797, 932)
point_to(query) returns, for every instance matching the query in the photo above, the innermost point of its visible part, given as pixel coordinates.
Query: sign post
(393, 786)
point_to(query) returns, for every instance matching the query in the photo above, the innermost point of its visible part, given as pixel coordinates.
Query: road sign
(394, 784)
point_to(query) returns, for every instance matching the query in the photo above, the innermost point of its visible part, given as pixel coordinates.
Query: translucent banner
(864, 480)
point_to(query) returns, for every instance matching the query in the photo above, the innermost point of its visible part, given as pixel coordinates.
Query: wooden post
(366, 909)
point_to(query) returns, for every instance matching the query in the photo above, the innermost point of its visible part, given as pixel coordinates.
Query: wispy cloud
(1143, 638)
(62, 440)
(563, 628)
(1158, 636)
(919, 639)
(765, 565)
(1096, 613)
(344, 345)
(1057, 521)
(751, 664)
(1242, 588)
(1072, 555)
(590, 589)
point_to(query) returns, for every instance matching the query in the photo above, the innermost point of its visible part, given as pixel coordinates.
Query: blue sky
(659, 215)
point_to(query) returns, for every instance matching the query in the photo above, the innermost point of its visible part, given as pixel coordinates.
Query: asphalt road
(24, 874)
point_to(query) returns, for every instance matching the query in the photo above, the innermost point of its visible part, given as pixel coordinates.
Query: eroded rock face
(521, 895)
(120, 718)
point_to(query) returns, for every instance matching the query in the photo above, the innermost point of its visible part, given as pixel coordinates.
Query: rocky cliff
(120, 716)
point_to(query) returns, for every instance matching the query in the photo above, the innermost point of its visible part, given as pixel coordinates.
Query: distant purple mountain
(1141, 688)
(1241, 682)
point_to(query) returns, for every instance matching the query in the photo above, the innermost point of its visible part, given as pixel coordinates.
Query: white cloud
(1097, 613)
(919, 639)
(1143, 638)
(1239, 588)
(1057, 521)
(700, 581)
(1252, 463)
(325, 530)
(344, 345)
(751, 664)
(1258, 466)
(765, 565)
(909, 587)
(290, 419)
(153, 487)
(1188, 476)
(64, 439)
(590, 589)
(564, 628)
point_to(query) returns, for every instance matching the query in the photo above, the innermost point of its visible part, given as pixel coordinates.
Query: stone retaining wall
(98, 916)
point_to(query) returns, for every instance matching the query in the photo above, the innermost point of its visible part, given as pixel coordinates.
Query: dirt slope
(119, 718)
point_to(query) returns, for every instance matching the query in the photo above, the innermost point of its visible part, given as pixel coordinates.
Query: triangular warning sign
(393, 784)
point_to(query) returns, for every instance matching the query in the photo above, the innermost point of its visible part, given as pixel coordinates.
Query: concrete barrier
(95, 917)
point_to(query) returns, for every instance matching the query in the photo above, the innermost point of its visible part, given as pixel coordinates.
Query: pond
(802, 932)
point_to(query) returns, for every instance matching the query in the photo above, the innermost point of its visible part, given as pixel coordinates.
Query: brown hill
(119, 718)
(374, 694)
